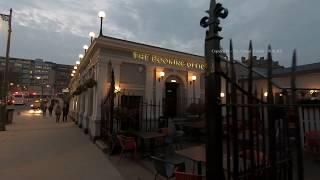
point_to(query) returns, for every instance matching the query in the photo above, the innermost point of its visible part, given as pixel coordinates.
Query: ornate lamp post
(101, 15)
(214, 146)
(92, 35)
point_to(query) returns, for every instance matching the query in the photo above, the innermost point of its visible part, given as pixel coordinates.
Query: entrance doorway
(171, 99)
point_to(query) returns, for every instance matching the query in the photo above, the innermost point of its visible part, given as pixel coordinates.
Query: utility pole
(5, 85)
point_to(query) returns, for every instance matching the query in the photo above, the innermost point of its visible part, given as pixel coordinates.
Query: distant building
(36, 76)
(261, 63)
(307, 81)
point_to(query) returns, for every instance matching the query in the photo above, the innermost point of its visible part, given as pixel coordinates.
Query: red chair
(312, 142)
(127, 144)
(188, 176)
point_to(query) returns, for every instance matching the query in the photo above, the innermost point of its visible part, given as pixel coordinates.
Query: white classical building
(146, 72)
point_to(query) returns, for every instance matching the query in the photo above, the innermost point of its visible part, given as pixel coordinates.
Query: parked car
(35, 104)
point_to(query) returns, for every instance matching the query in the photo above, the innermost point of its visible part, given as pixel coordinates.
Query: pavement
(36, 148)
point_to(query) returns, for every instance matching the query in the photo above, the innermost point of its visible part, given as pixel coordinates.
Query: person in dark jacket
(58, 112)
(65, 112)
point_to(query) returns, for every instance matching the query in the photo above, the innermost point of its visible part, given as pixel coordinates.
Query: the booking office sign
(167, 61)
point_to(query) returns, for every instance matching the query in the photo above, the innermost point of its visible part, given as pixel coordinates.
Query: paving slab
(36, 148)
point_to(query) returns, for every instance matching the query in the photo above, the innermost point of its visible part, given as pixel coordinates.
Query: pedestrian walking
(58, 112)
(65, 112)
(44, 110)
(50, 109)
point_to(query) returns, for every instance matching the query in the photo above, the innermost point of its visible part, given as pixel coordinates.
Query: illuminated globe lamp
(92, 35)
(77, 62)
(85, 47)
(101, 15)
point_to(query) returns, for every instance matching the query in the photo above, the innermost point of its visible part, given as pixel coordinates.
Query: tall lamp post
(101, 15)
(5, 86)
(213, 110)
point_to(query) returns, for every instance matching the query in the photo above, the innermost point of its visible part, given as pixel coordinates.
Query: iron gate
(247, 133)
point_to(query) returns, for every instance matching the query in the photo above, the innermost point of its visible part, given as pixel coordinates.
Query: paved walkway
(36, 148)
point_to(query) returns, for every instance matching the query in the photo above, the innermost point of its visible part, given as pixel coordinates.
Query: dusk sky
(56, 30)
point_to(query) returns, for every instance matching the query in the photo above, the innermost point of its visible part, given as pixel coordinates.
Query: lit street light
(85, 47)
(38, 77)
(72, 75)
(73, 71)
(77, 62)
(81, 56)
(92, 35)
(101, 15)
(75, 67)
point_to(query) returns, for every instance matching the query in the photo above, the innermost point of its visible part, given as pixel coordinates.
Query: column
(116, 69)
(99, 92)
(85, 118)
(193, 87)
(81, 110)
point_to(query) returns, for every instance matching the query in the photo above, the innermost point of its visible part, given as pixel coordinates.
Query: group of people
(58, 110)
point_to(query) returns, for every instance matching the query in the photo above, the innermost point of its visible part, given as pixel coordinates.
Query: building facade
(36, 76)
(174, 79)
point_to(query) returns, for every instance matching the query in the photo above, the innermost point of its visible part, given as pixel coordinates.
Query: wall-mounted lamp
(75, 67)
(173, 81)
(77, 62)
(222, 95)
(117, 89)
(265, 94)
(193, 79)
(161, 75)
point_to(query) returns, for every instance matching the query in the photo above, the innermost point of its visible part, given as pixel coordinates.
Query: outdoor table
(195, 153)
(198, 154)
(151, 136)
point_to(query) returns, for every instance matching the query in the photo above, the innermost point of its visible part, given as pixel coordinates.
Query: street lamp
(75, 67)
(73, 71)
(38, 77)
(101, 15)
(77, 62)
(72, 74)
(85, 47)
(92, 35)
(81, 56)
